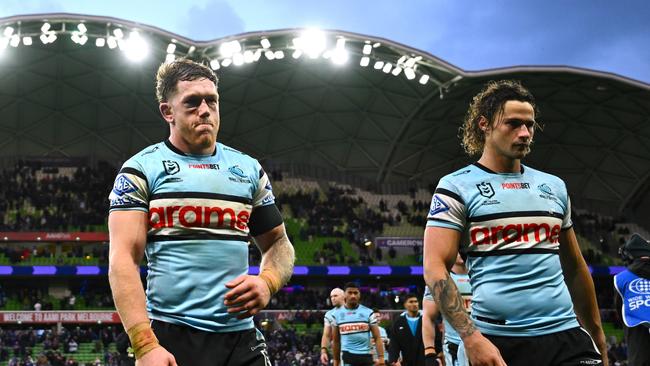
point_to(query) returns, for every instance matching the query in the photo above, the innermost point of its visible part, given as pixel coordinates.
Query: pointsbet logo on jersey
(198, 216)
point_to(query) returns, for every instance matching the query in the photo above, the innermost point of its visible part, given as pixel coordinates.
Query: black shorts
(193, 347)
(572, 347)
(353, 359)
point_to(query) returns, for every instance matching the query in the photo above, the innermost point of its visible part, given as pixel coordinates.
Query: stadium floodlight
(340, 56)
(227, 49)
(82, 28)
(279, 55)
(136, 47)
(214, 64)
(43, 38)
(387, 67)
(4, 42)
(79, 38)
(46, 27)
(171, 48)
(112, 42)
(312, 41)
(8, 32)
(377, 44)
(117, 32)
(365, 61)
(265, 43)
(410, 73)
(100, 42)
(14, 41)
(424, 79)
(226, 62)
(257, 55)
(401, 60)
(238, 59)
(83, 39)
(249, 56)
(379, 65)
(170, 57)
(270, 55)
(396, 71)
(27, 41)
(327, 54)
(296, 54)
(367, 49)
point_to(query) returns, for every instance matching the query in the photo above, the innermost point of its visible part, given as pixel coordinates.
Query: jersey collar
(483, 167)
(179, 152)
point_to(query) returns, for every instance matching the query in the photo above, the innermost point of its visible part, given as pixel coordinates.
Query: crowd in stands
(58, 346)
(55, 202)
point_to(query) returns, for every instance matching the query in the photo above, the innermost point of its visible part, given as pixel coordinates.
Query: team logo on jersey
(123, 185)
(545, 188)
(171, 167)
(437, 206)
(485, 189)
(236, 171)
(640, 286)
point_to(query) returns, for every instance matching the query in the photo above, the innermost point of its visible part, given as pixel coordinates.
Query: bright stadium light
(226, 62)
(279, 55)
(270, 55)
(136, 47)
(45, 27)
(296, 54)
(367, 49)
(112, 42)
(410, 73)
(387, 67)
(117, 32)
(14, 41)
(379, 65)
(214, 64)
(257, 55)
(227, 49)
(27, 41)
(377, 44)
(83, 39)
(249, 56)
(396, 71)
(82, 28)
(265, 43)
(340, 56)
(365, 61)
(4, 42)
(8, 32)
(171, 48)
(312, 41)
(170, 57)
(401, 60)
(100, 42)
(424, 79)
(238, 59)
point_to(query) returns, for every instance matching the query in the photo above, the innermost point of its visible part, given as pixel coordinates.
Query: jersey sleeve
(130, 190)
(327, 320)
(372, 319)
(427, 294)
(447, 207)
(567, 223)
(263, 195)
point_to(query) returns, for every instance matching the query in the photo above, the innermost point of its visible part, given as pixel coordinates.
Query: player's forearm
(428, 335)
(128, 293)
(449, 301)
(279, 258)
(336, 350)
(583, 296)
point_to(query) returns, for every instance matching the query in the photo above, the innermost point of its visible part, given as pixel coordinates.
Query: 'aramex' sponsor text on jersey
(510, 226)
(199, 210)
(354, 327)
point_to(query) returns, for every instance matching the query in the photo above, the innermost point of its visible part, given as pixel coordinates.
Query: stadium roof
(386, 114)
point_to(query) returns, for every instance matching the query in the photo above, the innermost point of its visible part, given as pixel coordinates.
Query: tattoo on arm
(451, 304)
(281, 257)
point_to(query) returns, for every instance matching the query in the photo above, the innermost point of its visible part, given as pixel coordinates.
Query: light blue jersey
(354, 328)
(510, 226)
(328, 319)
(199, 210)
(463, 284)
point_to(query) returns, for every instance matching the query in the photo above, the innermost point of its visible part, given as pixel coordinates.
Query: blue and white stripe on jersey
(354, 328)
(328, 319)
(510, 226)
(465, 289)
(199, 210)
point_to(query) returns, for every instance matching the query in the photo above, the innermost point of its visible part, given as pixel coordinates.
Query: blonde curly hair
(489, 103)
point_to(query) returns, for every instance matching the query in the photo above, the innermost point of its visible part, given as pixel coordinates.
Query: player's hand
(157, 357)
(248, 295)
(380, 362)
(397, 363)
(324, 358)
(481, 352)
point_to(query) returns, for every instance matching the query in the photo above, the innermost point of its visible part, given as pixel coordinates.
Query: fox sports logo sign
(640, 286)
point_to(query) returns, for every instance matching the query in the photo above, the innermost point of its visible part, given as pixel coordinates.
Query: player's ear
(483, 124)
(166, 111)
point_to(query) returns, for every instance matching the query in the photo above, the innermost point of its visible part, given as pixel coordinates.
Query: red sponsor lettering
(515, 185)
(355, 327)
(198, 216)
(512, 233)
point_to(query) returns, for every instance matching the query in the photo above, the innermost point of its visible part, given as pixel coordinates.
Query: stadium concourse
(354, 130)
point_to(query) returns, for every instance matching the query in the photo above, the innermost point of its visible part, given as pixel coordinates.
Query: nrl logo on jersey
(485, 189)
(123, 185)
(171, 167)
(437, 206)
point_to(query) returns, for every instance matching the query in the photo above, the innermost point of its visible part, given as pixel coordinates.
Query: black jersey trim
(216, 196)
(263, 219)
(497, 252)
(503, 215)
(131, 205)
(486, 169)
(449, 193)
(567, 228)
(133, 171)
(202, 236)
(173, 148)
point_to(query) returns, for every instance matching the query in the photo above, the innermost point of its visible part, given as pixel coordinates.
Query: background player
(337, 298)
(190, 204)
(514, 223)
(384, 337)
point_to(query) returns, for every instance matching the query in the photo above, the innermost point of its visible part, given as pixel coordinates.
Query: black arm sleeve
(264, 218)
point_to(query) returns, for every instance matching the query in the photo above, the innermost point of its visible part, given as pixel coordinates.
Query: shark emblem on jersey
(236, 171)
(545, 188)
(437, 206)
(485, 189)
(123, 185)
(171, 167)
